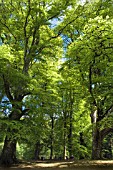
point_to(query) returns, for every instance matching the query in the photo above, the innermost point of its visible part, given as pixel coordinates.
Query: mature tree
(26, 39)
(92, 52)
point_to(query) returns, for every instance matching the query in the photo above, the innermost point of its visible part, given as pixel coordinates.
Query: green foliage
(94, 59)
(107, 147)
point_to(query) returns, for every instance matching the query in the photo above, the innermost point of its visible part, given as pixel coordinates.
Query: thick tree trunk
(96, 143)
(8, 156)
(96, 137)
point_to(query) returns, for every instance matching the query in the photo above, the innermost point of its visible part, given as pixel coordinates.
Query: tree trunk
(97, 137)
(37, 151)
(70, 136)
(96, 143)
(64, 137)
(8, 156)
(52, 137)
(82, 142)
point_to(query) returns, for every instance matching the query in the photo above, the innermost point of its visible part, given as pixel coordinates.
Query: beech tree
(26, 39)
(92, 52)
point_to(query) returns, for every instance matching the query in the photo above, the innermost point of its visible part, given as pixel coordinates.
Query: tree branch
(90, 85)
(9, 30)
(26, 60)
(105, 132)
(7, 88)
(62, 29)
(108, 110)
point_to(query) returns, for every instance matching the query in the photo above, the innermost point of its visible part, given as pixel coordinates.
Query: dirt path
(78, 165)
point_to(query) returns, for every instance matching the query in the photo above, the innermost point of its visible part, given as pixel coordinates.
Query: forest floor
(75, 165)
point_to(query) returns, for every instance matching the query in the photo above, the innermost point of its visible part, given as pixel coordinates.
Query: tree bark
(52, 137)
(82, 143)
(8, 156)
(96, 143)
(37, 151)
(64, 137)
(70, 135)
(97, 136)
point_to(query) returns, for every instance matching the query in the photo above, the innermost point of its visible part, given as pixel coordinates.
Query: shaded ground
(73, 165)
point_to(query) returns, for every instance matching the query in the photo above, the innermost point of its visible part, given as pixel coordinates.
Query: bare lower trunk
(8, 155)
(97, 137)
(82, 143)
(51, 151)
(70, 137)
(37, 151)
(96, 143)
(64, 137)
(52, 137)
